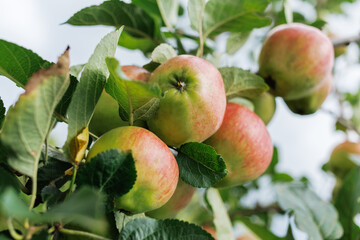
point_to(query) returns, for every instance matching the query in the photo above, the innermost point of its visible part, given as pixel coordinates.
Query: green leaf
(7, 179)
(84, 208)
(132, 96)
(234, 16)
(235, 41)
(274, 161)
(112, 171)
(143, 44)
(116, 13)
(169, 12)
(151, 229)
(76, 70)
(348, 205)
(27, 123)
(162, 53)
(258, 230)
(89, 89)
(221, 220)
(18, 63)
(122, 219)
(196, 10)
(2, 112)
(64, 103)
(51, 195)
(312, 215)
(200, 165)
(243, 101)
(242, 83)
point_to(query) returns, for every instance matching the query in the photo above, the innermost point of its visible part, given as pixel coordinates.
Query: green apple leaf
(143, 44)
(196, 10)
(312, 215)
(261, 232)
(64, 103)
(233, 16)
(117, 13)
(18, 63)
(27, 123)
(51, 195)
(169, 12)
(151, 229)
(76, 70)
(235, 41)
(242, 83)
(121, 219)
(162, 53)
(243, 101)
(137, 100)
(89, 89)
(112, 172)
(200, 165)
(347, 204)
(221, 219)
(2, 112)
(8, 179)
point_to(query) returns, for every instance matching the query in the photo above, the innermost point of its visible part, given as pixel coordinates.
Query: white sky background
(304, 142)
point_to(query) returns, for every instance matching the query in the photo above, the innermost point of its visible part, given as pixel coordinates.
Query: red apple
(180, 199)
(295, 59)
(244, 143)
(157, 169)
(211, 231)
(311, 103)
(194, 101)
(343, 158)
(106, 114)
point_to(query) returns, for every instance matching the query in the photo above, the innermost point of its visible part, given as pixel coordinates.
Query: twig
(81, 233)
(345, 41)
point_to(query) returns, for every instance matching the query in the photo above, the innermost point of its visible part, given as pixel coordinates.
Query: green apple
(295, 59)
(310, 104)
(244, 143)
(180, 199)
(106, 113)
(194, 100)
(157, 169)
(265, 106)
(344, 158)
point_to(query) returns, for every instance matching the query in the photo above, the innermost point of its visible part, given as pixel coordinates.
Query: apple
(244, 143)
(295, 59)
(265, 106)
(194, 100)
(157, 169)
(180, 199)
(310, 104)
(344, 158)
(106, 113)
(210, 230)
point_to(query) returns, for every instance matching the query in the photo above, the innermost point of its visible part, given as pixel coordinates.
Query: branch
(345, 41)
(258, 209)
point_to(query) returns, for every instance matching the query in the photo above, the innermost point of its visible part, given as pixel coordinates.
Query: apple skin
(310, 104)
(106, 113)
(180, 199)
(265, 106)
(157, 169)
(194, 101)
(340, 162)
(295, 59)
(244, 143)
(210, 230)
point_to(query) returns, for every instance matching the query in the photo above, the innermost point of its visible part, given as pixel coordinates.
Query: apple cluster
(193, 108)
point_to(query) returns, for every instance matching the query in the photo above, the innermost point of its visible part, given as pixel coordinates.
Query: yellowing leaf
(79, 144)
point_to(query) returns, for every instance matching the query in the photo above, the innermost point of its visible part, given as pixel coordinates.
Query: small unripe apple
(295, 59)
(244, 143)
(194, 101)
(156, 167)
(106, 113)
(265, 106)
(343, 158)
(180, 199)
(310, 104)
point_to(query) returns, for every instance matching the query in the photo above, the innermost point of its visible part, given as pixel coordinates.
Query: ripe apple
(211, 231)
(344, 158)
(295, 59)
(244, 143)
(194, 101)
(157, 169)
(106, 114)
(265, 106)
(180, 199)
(310, 104)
